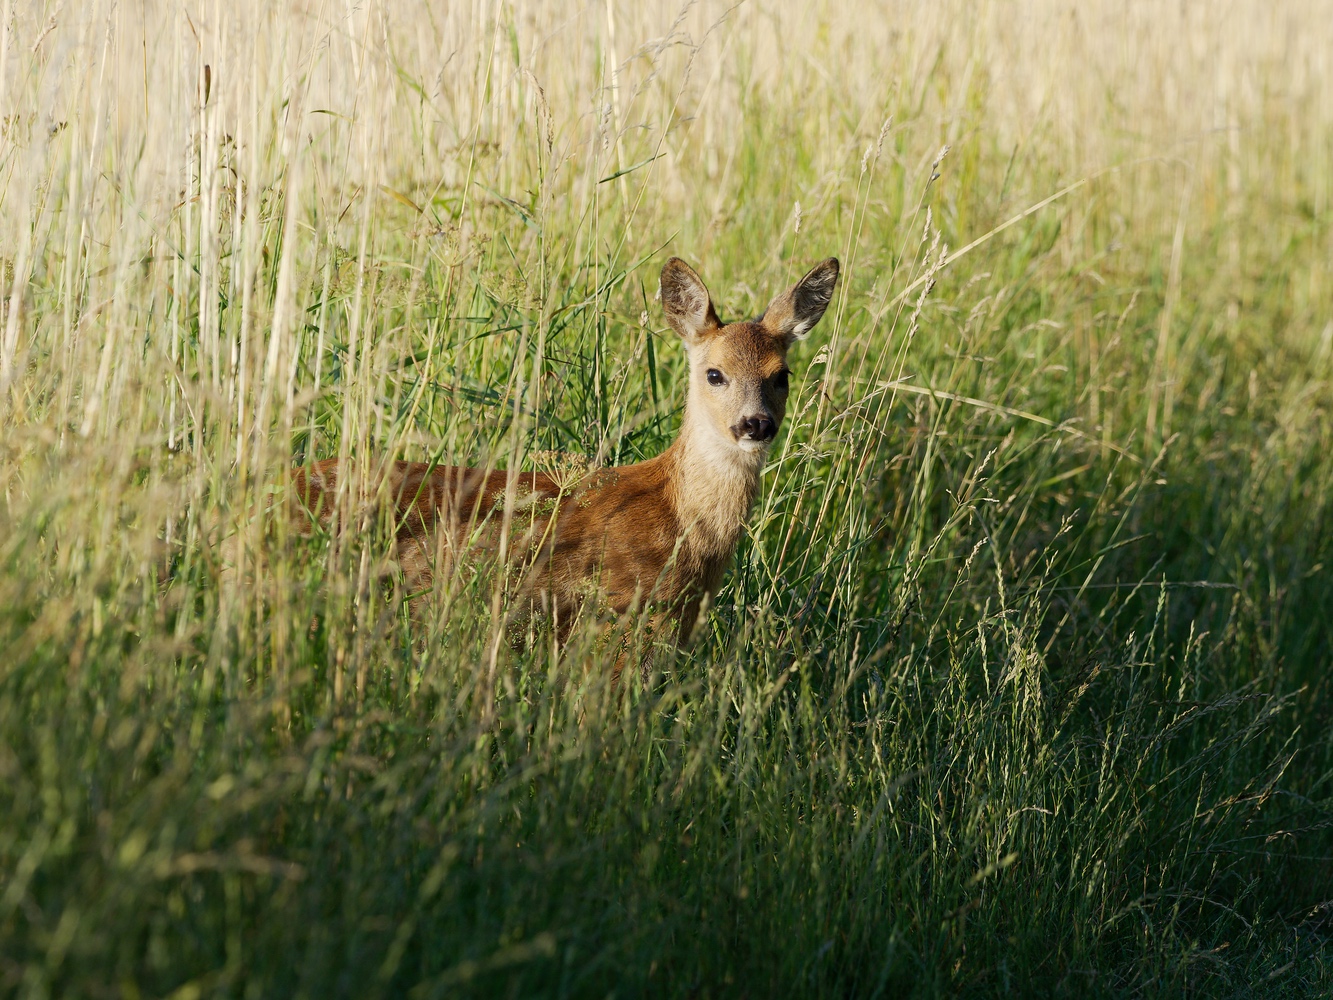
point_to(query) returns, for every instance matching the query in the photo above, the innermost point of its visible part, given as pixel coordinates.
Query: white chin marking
(749, 444)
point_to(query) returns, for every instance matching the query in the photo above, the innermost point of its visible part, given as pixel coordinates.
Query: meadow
(1019, 682)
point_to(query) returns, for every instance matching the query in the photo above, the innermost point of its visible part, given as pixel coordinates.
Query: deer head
(738, 371)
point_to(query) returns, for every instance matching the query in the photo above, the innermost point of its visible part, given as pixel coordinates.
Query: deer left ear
(794, 313)
(686, 302)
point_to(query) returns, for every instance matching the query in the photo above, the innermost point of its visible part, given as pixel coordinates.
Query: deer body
(663, 530)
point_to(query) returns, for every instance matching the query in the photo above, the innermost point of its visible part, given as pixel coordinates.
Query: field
(1019, 683)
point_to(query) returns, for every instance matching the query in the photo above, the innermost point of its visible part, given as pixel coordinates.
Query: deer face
(738, 372)
(740, 375)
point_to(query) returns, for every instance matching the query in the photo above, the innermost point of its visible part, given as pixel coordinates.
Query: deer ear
(686, 302)
(793, 314)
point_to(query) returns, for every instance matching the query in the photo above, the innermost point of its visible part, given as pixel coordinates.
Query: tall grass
(1018, 684)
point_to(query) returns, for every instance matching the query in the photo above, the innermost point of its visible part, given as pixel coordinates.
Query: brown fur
(663, 530)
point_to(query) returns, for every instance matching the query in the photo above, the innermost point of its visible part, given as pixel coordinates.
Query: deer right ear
(686, 302)
(792, 314)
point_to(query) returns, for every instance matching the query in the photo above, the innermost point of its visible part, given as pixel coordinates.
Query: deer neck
(712, 485)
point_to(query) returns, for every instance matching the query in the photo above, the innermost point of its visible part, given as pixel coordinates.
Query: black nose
(755, 429)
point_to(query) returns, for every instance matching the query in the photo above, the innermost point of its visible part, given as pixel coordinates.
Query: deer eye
(715, 377)
(780, 379)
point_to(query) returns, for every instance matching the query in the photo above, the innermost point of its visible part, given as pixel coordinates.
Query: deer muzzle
(757, 428)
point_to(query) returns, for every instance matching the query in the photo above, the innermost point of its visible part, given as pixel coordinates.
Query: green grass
(1018, 685)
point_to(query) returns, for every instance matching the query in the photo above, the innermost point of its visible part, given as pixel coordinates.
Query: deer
(661, 532)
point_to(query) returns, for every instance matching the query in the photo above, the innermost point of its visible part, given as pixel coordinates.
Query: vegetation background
(1019, 684)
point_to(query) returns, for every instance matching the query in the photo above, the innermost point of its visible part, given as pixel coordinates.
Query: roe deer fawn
(660, 531)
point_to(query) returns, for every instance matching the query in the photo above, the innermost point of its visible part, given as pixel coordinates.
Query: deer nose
(755, 429)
